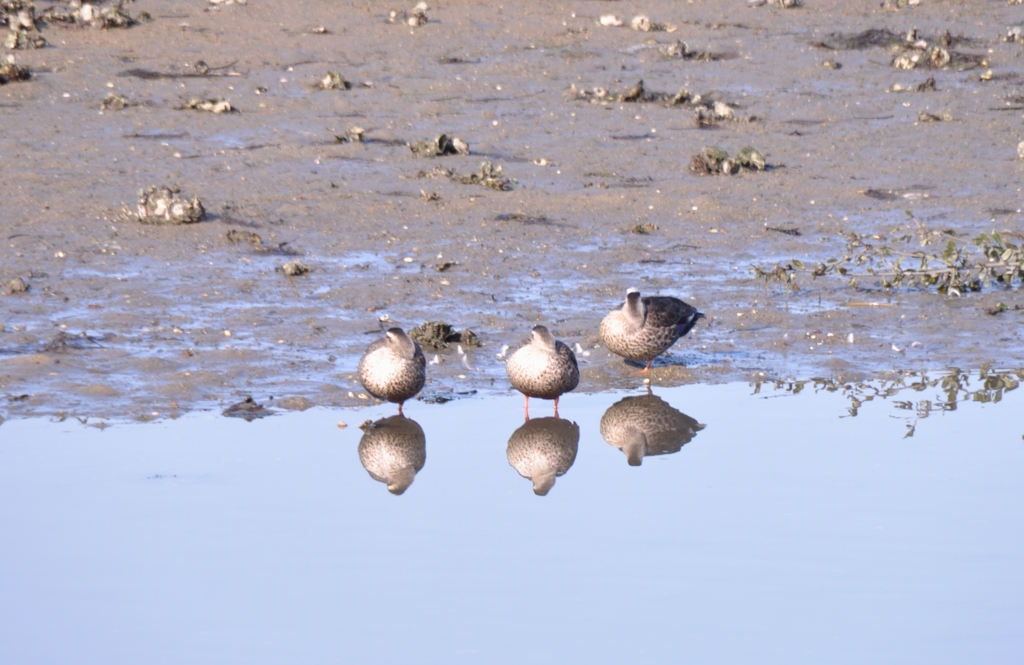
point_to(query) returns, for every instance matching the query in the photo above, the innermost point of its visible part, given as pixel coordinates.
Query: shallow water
(783, 531)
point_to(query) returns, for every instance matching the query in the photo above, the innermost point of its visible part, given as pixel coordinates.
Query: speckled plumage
(543, 367)
(393, 368)
(647, 425)
(644, 328)
(543, 449)
(393, 450)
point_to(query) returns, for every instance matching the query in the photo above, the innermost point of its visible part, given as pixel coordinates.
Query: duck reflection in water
(393, 450)
(647, 425)
(543, 449)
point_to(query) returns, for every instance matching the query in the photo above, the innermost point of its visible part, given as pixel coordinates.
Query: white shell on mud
(723, 111)
(645, 24)
(294, 268)
(1020, 149)
(640, 22)
(610, 21)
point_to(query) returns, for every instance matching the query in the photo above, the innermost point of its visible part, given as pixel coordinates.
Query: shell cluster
(10, 71)
(209, 105)
(442, 145)
(415, 17)
(114, 102)
(713, 160)
(20, 19)
(639, 22)
(165, 205)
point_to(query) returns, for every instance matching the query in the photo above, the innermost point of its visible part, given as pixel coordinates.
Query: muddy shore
(123, 320)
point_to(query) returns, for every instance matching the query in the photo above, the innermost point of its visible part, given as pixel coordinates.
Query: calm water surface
(781, 532)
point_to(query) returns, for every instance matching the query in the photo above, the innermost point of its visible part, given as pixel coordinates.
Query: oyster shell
(333, 81)
(442, 145)
(353, 135)
(114, 102)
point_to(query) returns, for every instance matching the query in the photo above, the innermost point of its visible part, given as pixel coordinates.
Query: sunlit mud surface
(736, 523)
(169, 319)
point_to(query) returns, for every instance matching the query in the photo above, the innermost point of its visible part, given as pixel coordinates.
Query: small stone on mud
(160, 205)
(1020, 149)
(17, 285)
(247, 409)
(342, 424)
(243, 237)
(295, 268)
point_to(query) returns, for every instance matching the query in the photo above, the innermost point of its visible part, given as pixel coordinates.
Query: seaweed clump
(439, 335)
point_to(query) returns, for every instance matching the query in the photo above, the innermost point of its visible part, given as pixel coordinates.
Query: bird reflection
(647, 425)
(393, 450)
(543, 449)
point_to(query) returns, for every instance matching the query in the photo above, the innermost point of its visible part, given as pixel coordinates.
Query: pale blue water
(781, 533)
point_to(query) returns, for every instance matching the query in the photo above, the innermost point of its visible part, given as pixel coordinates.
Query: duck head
(543, 338)
(400, 343)
(634, 308)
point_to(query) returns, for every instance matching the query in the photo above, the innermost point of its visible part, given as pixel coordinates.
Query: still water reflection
(211, 540)
(393, 450)
(543, 449)
(646, 425)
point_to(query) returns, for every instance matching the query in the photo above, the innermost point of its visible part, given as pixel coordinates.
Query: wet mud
(104, 316)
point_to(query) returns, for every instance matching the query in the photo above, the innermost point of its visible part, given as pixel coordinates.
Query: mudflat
(580, 182)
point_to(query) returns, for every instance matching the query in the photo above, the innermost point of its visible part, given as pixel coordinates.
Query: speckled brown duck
(393, 450)
(647, 425)
(644, 328)
(393, 368)
(543, 368)
(543, 449)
